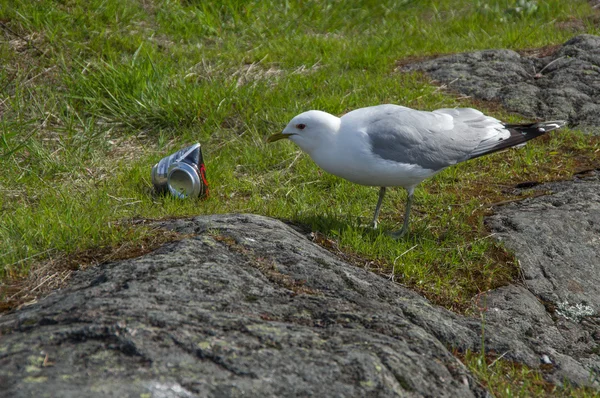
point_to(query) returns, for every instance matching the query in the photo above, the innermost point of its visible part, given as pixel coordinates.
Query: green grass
(510, 379)
(94, 92)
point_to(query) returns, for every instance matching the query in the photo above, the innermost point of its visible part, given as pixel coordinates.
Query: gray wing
(432, 140)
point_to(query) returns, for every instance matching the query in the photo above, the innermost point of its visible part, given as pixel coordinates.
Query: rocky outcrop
(249, 306)
(563, 85)
(556, 238)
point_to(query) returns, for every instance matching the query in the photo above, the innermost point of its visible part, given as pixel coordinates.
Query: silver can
(182, 173)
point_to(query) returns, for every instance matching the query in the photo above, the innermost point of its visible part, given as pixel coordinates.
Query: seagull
(395, 146)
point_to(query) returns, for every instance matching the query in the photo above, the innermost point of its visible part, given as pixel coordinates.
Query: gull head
(309, 130)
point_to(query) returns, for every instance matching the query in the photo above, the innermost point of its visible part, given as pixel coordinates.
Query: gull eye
(301, 126)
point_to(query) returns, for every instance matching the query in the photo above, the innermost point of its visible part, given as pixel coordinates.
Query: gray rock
(564, 85)
(249, 306)
(556, 238)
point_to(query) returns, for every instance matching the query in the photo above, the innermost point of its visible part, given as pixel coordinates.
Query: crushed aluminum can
(182, 173)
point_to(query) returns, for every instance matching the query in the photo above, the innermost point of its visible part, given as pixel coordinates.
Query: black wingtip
(521, 133)
(543, 127)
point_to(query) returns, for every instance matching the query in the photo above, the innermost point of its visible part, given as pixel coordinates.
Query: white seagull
(395, 146)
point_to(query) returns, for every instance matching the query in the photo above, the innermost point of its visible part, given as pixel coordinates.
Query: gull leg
(404, 230)
(378, 207)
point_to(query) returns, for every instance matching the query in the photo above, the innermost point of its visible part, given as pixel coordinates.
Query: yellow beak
(277, 137)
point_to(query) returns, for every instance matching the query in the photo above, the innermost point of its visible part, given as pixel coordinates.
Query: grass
(511, 379)
(93, 93)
